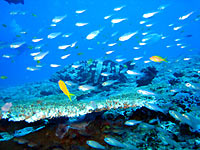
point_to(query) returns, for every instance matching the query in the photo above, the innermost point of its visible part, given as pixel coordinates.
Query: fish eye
(188, 84)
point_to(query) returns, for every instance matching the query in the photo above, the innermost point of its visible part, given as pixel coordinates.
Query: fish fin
(70, 98)
(70, 94)
(165, 59)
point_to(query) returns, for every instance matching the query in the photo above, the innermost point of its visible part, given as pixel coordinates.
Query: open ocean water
(99, 74)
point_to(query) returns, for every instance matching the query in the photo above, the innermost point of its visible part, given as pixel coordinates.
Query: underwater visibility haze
(99, 74)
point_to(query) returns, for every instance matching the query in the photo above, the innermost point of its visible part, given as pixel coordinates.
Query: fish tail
(70, 94)
(70, 99)
(165, 59)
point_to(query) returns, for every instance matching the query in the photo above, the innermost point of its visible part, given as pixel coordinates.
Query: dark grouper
(91, 72)
(15, 1)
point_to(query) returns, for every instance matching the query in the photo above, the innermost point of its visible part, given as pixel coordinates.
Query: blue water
(38, 18)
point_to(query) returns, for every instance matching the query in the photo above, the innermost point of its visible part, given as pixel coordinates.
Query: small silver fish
(167, 140)
(146, 126)
(176, 115)
(132, 122)
(57, 19)
(86, 87)
(16, 44)
(7, 56)
(53, 35)
(95, 144)
(118, 20)
(119, 8)
(70, 83)
(80, 24)
(93, 34)
(131, 72)
(127, 36)
(113, 142)
(80, 11)
(67, 35)
(151, 14)
(32, 68)
(37, 40)
(109, 82)
(177, 28)
(108, 16)
(63, 46)
(40, 55)
(154, 107)
(185, 16)
(147, 93)
(106, 74)
(34, 54)
(65, 56)
(192, 121)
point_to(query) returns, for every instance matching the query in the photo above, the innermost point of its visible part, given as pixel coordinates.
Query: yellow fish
(63, 87)
(157, 59)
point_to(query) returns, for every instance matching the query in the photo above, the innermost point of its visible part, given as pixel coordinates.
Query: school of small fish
(149, 37)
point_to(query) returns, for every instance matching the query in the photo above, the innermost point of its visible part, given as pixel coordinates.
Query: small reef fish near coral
(157, 59)
(63, 87)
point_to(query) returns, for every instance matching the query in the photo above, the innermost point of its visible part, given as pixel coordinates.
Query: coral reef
(89, 72)
(164, 99)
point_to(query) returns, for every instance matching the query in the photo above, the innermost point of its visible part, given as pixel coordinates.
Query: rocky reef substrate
(164, 96)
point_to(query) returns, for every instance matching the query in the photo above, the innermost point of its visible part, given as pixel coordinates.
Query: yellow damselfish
(63, 87)
(157, 59)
